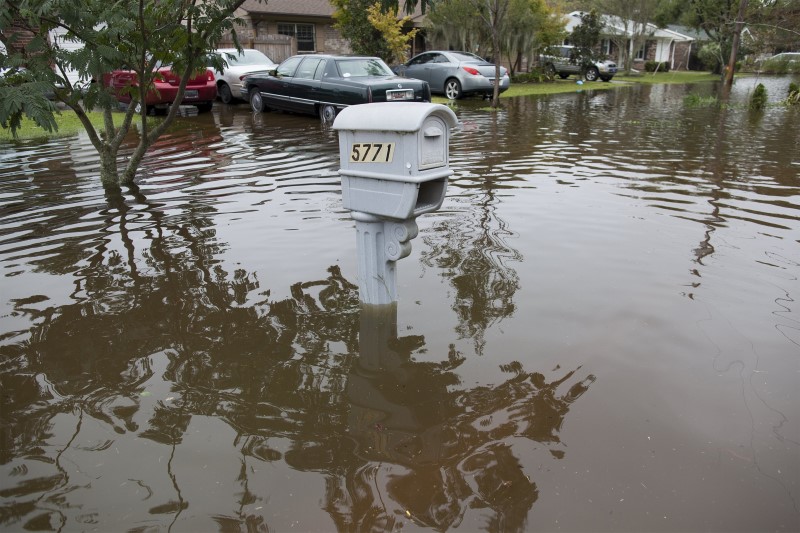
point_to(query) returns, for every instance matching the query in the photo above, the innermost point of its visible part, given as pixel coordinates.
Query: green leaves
(85, 40)
(20, 98)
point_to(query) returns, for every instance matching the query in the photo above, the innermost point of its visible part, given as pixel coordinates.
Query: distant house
(650, 43)
(281, 28)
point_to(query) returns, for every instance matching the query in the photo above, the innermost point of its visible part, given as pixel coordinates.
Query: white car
(240, 64)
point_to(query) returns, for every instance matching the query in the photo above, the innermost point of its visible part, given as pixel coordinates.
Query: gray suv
(566, 60)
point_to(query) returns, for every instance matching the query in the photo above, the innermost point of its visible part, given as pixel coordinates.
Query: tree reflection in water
(474, 256)
(394, 439)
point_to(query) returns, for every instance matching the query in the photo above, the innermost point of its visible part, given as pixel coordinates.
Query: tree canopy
(138, 34)
(466, 25)
(352, 20)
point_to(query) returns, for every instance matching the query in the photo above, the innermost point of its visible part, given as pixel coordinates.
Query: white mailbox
(394, 157)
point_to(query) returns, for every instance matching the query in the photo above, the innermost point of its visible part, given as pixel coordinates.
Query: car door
(419, 67)
(439, 69)
(569, 61)
(305, 93)
(276, 90)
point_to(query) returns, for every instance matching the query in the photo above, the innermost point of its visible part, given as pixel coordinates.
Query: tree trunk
(108, 166)
(496, 91)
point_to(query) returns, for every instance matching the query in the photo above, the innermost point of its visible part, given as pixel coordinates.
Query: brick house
(281, 28)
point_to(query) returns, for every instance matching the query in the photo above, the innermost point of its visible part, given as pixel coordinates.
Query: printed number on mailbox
(372, 153)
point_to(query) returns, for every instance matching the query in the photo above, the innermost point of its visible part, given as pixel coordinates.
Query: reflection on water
(596, 332)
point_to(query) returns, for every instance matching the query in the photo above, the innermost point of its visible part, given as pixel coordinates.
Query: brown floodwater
(599, 330)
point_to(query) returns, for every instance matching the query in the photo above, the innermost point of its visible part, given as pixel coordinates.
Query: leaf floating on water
(145, 394)
(408, 513)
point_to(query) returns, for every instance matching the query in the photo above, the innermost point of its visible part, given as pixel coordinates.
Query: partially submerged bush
(794, 94)
(695, 100)
(759, 98)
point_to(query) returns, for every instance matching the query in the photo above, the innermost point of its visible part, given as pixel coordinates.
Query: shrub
(695, 100)
(711, 57)
(759, 99)
(536, 75)
(656, 66)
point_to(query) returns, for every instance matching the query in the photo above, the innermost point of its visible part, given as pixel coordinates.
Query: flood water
(599, 330)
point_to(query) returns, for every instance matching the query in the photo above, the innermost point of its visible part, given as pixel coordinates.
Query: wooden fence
(276, 47)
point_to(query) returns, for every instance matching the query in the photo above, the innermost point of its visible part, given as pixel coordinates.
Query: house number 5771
(372, 153)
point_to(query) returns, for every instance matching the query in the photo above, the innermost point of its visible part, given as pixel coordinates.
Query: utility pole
(737, 33)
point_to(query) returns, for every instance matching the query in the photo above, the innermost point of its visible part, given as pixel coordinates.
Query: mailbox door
(433, 143)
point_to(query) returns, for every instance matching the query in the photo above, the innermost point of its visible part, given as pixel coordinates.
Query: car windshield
(360, 68)
(248, 57)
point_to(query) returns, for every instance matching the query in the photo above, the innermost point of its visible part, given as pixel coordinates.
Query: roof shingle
(308, 8)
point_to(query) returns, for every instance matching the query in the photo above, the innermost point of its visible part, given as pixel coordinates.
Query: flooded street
(599, 330)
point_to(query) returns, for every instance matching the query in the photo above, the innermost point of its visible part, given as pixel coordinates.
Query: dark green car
(324, 84)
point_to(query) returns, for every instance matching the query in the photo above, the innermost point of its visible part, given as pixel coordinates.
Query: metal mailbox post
(394, 167)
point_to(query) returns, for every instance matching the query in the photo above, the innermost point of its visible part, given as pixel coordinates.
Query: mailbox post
(394, 167)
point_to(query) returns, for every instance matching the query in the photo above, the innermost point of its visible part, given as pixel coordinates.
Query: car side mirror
(273, 72)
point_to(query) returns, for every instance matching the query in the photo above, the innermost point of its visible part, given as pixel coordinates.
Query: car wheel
(452, 89)
(225, 93)
(550, 70)
(592, 74)
(256, 102)
(327, 113)
(205, 107)
(563, 76)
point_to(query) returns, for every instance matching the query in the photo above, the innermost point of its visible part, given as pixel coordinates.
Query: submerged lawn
(69, 124)
(681, 76)
(67, 121)
(571, 84)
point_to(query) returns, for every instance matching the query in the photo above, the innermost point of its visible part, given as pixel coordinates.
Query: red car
(200, 91)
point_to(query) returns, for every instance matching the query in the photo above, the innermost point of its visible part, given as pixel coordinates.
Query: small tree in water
(793, 98)
(759, 99)
(138, 35)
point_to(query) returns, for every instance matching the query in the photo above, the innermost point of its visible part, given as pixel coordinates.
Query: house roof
(304, 8)
(621, 26)
(315, 8)
(695, 34)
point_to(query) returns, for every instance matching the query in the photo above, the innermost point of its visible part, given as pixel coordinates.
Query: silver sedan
(454, 74)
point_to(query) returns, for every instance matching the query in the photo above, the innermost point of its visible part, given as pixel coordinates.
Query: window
(304, 33)
(360, 68)
(308, 68)
(421, 59)
(640, 52)
(288, 67)
(605, 47)
(320, 73)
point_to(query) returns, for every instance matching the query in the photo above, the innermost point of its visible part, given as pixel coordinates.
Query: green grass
(678, 76)
(570, 85)
(67, 121)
